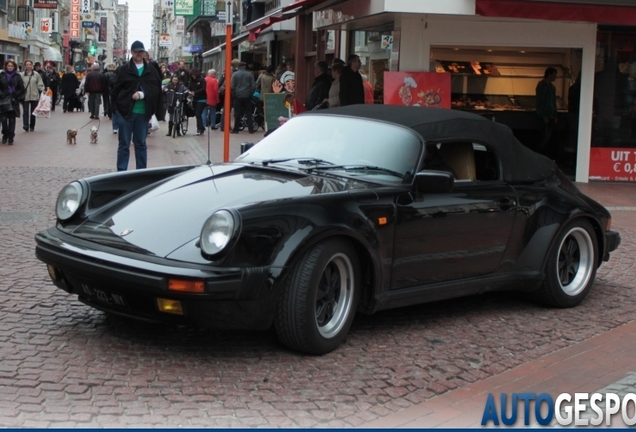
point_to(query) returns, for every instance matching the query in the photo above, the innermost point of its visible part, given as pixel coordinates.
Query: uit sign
(184, 7)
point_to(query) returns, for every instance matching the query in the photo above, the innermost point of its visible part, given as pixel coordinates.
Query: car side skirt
(528, 281)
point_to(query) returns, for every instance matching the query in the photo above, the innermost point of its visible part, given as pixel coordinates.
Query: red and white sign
(612, 164)
(45, 25)
(426, 89)
(75, 19)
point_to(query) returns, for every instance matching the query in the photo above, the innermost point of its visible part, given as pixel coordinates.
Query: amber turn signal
(170, 306)
(53, 272)
(382, 220)
(186, 286)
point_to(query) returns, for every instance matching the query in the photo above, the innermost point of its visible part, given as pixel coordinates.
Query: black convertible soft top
(519, 163)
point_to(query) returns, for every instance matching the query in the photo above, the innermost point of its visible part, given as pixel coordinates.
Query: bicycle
(258, 119)
(180, 122)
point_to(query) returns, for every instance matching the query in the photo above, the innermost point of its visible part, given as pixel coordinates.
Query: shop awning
(217, 49)
(285, 13)
(52, 54)
(601, 14)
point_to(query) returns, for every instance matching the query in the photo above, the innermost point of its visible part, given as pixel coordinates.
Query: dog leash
(91, 121)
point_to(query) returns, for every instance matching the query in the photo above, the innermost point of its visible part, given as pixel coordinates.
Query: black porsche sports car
(353, 209)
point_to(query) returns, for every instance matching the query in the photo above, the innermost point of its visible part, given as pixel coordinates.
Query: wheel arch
(369, 264)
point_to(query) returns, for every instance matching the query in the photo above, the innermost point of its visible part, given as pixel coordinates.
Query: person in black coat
(351, 85)
(197, 87)
(135, 97)
(68, 86)
(320, 89)
(11, 88)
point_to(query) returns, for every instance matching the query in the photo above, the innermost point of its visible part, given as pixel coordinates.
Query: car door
(461, 234)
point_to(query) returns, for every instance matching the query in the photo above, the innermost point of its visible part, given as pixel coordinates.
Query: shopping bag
(44, 105)
(154, 123)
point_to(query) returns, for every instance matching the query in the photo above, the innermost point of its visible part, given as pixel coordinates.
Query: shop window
(614, 120)
(374, 49)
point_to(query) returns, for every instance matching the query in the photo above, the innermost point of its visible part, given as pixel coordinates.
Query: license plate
(102, 296)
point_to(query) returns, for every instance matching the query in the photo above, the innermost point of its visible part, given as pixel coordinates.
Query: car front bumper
(120, 283)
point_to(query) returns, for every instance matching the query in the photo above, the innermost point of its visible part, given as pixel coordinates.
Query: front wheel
(571, 266)
(319, 298)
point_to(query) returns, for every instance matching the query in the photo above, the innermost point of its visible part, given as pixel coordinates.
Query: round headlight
(217, 232)
(68, 201)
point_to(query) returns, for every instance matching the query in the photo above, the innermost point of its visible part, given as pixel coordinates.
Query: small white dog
(94, 135)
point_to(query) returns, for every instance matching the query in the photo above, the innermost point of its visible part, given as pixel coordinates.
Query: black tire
(184, 126)
(571, 266)
(319, 298)
(259, 122)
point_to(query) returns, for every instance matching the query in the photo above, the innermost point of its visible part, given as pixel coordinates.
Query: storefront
(495, 63)
(10, 51)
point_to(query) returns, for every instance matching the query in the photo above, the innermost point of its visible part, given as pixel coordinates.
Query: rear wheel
(184, 125)
(571, 266)
(319, 298)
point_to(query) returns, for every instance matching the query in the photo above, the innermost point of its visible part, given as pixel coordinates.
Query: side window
(486, 163)
(466, 160)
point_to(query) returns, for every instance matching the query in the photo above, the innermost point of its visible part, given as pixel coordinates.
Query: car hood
(161, 218)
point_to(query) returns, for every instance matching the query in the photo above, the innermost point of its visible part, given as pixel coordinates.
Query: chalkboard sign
(274, 108)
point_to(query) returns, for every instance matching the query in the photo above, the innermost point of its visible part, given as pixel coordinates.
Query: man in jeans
(135, 98)
(33, 85)
(242, 84)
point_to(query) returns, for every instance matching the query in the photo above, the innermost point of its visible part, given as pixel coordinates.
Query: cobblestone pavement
(63, 364)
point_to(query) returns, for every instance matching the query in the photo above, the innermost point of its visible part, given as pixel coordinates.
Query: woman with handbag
(33, 86)
(11, 92)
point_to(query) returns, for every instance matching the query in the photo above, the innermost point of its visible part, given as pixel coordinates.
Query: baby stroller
(77, 101)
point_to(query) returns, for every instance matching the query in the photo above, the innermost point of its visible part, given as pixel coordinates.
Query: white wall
(419, 32)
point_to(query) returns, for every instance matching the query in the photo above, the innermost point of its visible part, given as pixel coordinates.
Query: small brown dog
(71, 136)
(94, 135)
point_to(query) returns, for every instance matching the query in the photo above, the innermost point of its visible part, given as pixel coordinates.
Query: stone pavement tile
(579, 368)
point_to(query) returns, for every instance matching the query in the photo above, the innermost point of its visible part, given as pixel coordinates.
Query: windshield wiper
(359, 167)
(300, 160)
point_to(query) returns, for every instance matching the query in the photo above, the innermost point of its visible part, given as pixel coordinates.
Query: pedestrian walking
(136, 95)
(11, 91)
(94, 85)
(33, 86)
(68, 88)
(173, 92)
(198, 91)
(54, 84)
(242, 84)
(212, 95)
(110, 77)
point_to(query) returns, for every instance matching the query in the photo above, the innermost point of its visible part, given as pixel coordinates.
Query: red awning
(618, 15)
(287, 12)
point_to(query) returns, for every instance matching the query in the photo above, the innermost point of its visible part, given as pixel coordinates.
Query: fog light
(53, 272)
(170, 306)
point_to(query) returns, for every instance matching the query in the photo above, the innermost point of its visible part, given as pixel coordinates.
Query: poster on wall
(612, 164)
(426, 89)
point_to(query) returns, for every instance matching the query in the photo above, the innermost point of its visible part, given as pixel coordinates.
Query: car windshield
(361, 147)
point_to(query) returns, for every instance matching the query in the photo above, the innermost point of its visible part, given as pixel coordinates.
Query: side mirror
(434, 182)
(246, 146)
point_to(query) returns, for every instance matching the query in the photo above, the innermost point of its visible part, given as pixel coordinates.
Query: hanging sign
(86, 6)
(74, 25)
(45, 25)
